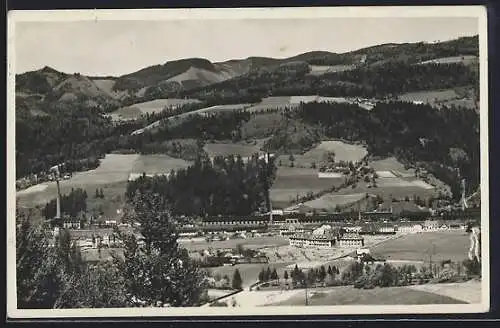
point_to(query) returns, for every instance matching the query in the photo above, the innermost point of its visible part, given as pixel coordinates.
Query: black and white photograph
(264, 161)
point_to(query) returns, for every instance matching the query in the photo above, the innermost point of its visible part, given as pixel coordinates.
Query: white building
(351, 240)
(313, 241)
(410, 228)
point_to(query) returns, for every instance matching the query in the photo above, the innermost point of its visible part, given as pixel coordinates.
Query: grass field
(113, 172)
(329, 202)
(343, 152)
(291, 181)
(347, 295)
(320, 69)
(249, 243)
(393, 165)
(466, 60)
(446, 245)
(225, 149)
(153, 106)
(431, 97)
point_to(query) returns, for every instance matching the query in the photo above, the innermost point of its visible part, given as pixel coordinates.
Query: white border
(247, 13)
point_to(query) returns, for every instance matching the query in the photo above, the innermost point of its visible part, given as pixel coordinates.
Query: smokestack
(58, 206)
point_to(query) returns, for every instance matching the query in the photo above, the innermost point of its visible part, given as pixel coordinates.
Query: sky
(103, 47)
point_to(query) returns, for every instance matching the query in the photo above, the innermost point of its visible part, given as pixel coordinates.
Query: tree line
(72, 204)
(222, 186)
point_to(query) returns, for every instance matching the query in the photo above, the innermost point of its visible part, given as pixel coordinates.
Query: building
(327, 240)
(351, 240)
(71, 223)
(431, 225)
(410, 227)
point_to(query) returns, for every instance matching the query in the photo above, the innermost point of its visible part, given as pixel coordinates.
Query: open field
(466, 60)
(448, 245)
(292, 181)
(431, 97)
(392, 165)
(347, 295)
(154, 106)
(320, 69)
(329, 201)
(114, 170)
(249, 243)
(469, 291)
(343, 152)
(226, 149)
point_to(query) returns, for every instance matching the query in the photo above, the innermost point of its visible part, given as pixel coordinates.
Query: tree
(285, 276)
(101, 193)
(330, 272)
(237, 281)
(267, 276)
(261, 275)
(274, 275)
(97, 194)
(40, 278)
(158, 270)
(322, 273)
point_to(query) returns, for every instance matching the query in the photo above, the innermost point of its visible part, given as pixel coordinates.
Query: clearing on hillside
(391, 164)
(114, 168)
(441, 245)
(430, 97)
(317, 155)
(225, 149)
(329, 202)
(320, 69)
(293, 182)
(154, 106)
(343, 151)
(466, 60)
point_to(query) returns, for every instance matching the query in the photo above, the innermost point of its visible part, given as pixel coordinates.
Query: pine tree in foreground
(237, 281)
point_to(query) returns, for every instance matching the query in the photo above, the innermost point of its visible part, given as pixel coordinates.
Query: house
(351, 240)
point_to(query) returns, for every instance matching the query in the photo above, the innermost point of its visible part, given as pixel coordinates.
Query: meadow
(442, 245)
(293, 181)
(226, 149)
(323, 69)
(466, 60)
(249, 243)
(154, 106)
(347, 295)
(112, 174)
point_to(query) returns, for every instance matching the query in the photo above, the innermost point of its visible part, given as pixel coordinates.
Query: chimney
(58, 206)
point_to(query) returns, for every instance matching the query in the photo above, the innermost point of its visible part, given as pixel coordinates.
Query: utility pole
(307, 301)
(433, 249)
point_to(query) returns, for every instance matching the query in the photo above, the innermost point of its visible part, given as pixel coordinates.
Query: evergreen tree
(285, 276)
(274, 275)
(159, 270)
(261, 275)
(237, 281)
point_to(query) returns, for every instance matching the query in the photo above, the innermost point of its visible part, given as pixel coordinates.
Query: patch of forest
(224, 186)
